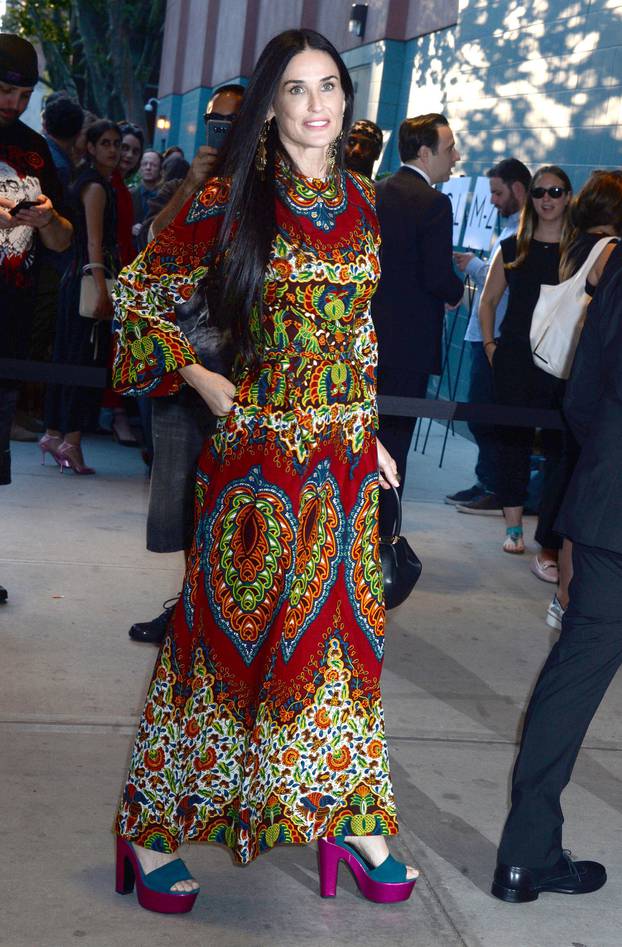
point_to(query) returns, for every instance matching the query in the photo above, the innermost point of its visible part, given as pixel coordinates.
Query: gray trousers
(181, 425)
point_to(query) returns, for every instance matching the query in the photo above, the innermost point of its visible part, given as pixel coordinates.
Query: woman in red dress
(263, 723)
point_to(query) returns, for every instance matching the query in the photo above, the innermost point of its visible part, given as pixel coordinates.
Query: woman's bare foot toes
(375, 850)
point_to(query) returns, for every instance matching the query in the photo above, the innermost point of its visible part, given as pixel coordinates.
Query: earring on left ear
(261, 155)
(331, 154)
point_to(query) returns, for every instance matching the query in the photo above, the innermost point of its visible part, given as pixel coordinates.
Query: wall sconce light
(152, 104)
(358, 19)
(163, 125)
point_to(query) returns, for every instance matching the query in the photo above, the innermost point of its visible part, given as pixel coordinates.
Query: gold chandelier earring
(331, 154)
(261, 155)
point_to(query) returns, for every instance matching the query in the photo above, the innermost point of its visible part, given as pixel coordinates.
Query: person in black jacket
(417, 279)
(582, 664)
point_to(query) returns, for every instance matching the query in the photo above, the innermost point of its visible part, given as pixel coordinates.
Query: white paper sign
(482, 219)
(457, 190)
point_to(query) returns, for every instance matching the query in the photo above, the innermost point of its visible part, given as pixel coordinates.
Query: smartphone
(23, 205)
(217, 131)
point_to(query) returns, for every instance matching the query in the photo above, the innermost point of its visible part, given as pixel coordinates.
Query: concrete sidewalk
(461, 657)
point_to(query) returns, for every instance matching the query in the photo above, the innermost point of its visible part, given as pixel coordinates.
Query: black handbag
(401, 567)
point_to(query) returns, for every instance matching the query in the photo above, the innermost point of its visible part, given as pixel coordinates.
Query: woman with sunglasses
(526, 262)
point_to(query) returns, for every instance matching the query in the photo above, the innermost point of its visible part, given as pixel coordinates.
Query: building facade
(537, 79)
(540, 79)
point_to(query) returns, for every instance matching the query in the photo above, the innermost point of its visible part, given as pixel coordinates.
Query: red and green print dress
(263, 722)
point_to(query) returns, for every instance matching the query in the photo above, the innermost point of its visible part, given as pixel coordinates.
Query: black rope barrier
(497, 414)
(82, 376)
(85, 376)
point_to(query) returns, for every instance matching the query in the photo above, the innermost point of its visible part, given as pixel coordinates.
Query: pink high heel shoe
(49, 444)
(385, 884)
(153, 889)
(70, 456)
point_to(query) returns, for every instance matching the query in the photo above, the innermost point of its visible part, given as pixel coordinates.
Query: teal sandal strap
(389, 872)
(162, 879)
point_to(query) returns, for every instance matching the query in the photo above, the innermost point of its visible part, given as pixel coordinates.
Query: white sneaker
(554, 614)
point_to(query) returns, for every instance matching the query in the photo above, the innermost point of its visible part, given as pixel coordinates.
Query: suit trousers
(396, 434)
(569, 690)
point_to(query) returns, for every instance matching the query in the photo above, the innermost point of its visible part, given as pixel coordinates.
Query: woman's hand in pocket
(216, 390)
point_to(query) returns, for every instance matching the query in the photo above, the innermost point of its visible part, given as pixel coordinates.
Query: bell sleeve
(150, 348)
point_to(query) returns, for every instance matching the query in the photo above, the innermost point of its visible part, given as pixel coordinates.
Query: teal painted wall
(539, 79)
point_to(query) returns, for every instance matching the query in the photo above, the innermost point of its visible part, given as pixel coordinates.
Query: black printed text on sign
(482, 218)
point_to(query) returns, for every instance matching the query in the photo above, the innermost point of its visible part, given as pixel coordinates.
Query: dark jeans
(518, 383)
(571, 685)
(485, 435)
(396, 434)
(8, 404)
(180, 424)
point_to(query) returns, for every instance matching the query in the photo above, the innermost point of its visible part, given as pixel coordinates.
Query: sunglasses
(555, 192)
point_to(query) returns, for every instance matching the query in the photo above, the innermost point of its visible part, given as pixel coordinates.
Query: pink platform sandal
(153, 889)
(385, 884)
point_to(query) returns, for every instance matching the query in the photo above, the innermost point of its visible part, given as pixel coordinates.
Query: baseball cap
(18, 61)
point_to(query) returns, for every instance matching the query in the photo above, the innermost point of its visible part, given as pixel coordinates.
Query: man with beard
(363, 147)
(29, 191)
(509, 183)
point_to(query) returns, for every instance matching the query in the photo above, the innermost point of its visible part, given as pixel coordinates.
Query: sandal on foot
(384, 884)
(153, 889)
(514, 542)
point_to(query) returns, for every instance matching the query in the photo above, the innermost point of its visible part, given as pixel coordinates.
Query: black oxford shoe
(517, 885)
(152, 632)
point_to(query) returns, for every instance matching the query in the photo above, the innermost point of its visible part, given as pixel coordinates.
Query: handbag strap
(593, 255)
(96, 266)
(397, 525)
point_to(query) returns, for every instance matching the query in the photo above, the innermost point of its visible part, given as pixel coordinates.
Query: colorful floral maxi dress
(263, 722)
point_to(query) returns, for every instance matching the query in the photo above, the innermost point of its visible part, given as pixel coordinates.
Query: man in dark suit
(582, 664)
(417, 279)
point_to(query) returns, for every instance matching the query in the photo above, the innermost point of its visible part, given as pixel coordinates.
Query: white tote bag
(558, 318)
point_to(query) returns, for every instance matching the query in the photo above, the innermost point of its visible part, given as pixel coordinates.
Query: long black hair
(249, 225)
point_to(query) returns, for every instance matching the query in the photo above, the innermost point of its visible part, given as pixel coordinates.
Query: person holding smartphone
(182, 422)
(221, 112)
(30, 195)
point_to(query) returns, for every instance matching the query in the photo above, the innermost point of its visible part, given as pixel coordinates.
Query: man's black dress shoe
(517, 885)
(3, 595)
(153, 631)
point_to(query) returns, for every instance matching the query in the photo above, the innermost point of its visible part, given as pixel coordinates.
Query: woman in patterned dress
(263, 722)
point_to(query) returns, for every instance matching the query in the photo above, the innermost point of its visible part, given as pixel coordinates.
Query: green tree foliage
(104, 52)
